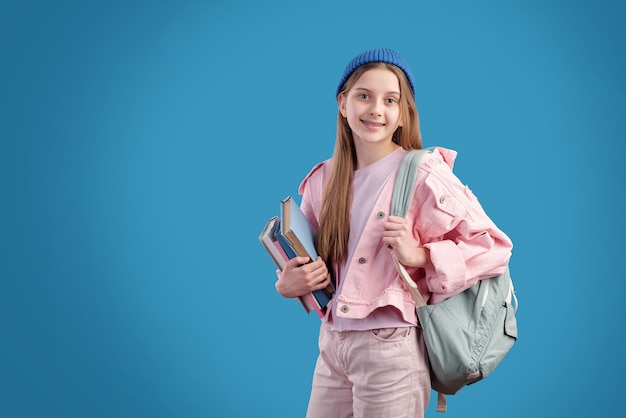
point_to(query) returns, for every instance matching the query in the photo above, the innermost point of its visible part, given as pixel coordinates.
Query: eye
(391, 100)
(364, 96)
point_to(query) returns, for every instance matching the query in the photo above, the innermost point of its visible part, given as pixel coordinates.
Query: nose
(377, 107)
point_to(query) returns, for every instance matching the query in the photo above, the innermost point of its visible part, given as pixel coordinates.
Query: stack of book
(292, 235)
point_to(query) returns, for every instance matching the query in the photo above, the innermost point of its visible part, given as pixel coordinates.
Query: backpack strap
(400, 200)
(405, 181)
(442, 403)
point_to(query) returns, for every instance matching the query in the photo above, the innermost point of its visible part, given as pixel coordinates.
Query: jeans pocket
(392, 334)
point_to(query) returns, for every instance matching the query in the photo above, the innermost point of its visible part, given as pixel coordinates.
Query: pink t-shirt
(367, 185)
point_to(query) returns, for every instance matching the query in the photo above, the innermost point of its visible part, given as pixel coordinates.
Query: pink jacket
(465, 245)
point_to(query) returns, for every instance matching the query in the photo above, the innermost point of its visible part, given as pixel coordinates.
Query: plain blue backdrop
(143, 145)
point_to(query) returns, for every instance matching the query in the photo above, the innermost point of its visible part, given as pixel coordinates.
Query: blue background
(144, 145)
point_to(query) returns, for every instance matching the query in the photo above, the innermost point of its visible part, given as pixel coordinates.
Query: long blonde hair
(334, 230)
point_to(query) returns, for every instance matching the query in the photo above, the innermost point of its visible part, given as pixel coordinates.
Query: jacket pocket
(442, 210)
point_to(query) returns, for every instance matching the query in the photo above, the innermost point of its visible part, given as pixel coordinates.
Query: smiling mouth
(374, 124)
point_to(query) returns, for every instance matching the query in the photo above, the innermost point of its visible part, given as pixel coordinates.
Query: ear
(341, 101)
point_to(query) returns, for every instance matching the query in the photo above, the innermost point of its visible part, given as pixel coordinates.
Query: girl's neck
(366, 155)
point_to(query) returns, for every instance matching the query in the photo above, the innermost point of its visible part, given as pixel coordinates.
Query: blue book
(296, 229)
(321, 296)
(284, 243)
(269, 238)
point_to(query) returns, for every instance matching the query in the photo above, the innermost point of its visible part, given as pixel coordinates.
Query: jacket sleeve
(311, 189)
(464, 243)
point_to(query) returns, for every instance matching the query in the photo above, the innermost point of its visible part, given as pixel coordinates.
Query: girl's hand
(301, 277)
(398, 237)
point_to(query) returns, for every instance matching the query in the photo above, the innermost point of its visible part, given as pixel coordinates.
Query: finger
(395, 226)
(296, 261)
(324, 283)
(396, 219)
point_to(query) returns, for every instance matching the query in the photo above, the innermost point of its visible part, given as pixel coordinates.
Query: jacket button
(362, 260)
(442, 199)
(344, 308)
(380, 215)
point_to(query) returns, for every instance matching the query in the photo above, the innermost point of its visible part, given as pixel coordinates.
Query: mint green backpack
(468, 334)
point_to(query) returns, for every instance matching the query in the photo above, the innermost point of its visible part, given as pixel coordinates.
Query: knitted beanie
(377, 55)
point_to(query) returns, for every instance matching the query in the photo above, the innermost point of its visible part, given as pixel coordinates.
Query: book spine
(312, 302)
(286, 246)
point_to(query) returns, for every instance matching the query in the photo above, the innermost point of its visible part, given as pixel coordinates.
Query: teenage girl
(372, 360)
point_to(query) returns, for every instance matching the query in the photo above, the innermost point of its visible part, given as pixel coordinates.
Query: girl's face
(372, 107)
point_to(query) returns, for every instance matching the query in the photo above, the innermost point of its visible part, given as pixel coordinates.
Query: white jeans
(370, 374)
